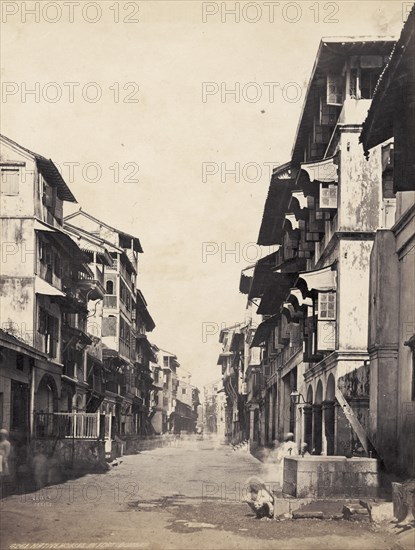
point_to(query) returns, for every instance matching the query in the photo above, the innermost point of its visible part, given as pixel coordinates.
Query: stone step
(308, 515)
(356, 512)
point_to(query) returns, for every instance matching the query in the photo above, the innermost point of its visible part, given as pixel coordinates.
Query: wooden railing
(65, 425)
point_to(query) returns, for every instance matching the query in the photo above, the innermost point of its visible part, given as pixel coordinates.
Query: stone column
(308, 426)
(317, 429)
(252, 432)
(328, 426)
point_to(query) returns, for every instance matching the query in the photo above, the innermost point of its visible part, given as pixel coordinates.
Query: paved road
(185, 497)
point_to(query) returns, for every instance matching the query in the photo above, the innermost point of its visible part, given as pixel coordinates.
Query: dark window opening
(109, 287)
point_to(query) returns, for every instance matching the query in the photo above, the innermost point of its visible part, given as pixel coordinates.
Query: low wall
(135, 444)
(331, 476)
(53, 461)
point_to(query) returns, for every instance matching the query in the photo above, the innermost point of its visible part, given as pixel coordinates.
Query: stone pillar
(317, 429)
(270, 414)
(273, 415)
(329, 428)
(252, 428)
(308, 426)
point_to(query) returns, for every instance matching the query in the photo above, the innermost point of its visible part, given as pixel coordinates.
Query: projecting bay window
(320, 327)
(328, 196)
(326, 321)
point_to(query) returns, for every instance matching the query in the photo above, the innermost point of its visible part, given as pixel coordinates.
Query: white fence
(63, 425)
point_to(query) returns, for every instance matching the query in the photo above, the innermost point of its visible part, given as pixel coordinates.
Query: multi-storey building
(234, 360)
(323, 209)
(392, 267)
(46, 285)
(214, 409)
(122, 320)
(187, 402)
(169, 364)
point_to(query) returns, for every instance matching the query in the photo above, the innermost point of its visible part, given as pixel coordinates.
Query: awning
(53, 177)
(398, 73)
(63, 239)
(323, 171)
(276, 293)
(40, 226)
(246, 280)
(279, 195)
(321, 280)
(297, 299)
(151, 356)
(263, 275)
(264, 330)
(42, 287)
(292, 315)
(223, 356)
(237, 341)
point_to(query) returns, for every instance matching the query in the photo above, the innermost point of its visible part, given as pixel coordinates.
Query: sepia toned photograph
(207, 275)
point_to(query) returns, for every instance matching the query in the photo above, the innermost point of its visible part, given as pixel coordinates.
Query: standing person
(5, 449)
(286, 449)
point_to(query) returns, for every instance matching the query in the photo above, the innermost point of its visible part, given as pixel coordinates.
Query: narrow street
(188, 496)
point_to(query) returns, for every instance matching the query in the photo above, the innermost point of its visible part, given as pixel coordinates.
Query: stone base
(331, 476)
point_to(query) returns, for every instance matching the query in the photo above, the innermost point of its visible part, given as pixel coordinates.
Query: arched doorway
(329, 415)
(46, 395)
(318, 419)
(46, 402)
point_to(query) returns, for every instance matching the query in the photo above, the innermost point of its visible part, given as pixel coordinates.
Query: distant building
(123, 320)
(214, 409)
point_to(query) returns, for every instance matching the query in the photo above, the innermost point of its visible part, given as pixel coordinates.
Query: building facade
(390, 124)
(76, 377)
(325, 210)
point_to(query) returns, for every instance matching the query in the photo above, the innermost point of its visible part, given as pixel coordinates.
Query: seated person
(260, 500)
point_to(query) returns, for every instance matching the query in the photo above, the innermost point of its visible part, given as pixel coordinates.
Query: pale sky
(170, 132)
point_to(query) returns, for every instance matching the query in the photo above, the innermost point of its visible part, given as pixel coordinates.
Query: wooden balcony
(65, 425)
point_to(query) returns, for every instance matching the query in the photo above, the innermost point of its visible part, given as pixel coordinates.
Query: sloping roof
(48, 170)
(275, 295)
(90, 245)
(279, 194)
(245, 282)
(400, 70)
(143, 312)
(331, 56)
(264, 275)
(264, 330)
(123, 235)
(10, 341)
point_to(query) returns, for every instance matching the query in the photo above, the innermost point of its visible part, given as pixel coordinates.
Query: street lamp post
(297, 398)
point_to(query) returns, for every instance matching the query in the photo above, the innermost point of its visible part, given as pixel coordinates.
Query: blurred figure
(304, 450)
(5, 450)
(286, 449)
